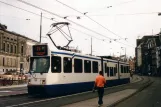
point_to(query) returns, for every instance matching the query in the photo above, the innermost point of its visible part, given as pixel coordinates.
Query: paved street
(65, 100)
(150, 97)
(13, 90)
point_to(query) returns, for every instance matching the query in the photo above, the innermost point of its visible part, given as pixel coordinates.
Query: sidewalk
(108, 99)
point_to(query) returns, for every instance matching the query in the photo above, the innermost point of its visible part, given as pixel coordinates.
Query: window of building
(4, 47)
(3, 61)
(95, 66)
(56, 64)
(77, 65)
(8, 47)
(11, 48)
(21, 49)
(67, 65)
(15, 49)
(111, 71)
(122, 69)
(87, 66)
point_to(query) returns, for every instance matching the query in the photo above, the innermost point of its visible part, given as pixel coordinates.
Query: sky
(129, 19)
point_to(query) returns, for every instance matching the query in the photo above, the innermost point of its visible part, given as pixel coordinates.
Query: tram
(59, 73)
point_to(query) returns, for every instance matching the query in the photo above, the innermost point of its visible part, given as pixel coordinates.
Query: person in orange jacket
(100, 83)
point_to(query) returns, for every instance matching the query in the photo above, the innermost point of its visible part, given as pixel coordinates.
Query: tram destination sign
(40, 50)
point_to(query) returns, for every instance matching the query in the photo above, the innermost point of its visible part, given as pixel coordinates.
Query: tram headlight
(29, 81)
(43, 82)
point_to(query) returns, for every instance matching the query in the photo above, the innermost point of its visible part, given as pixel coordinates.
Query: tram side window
(105, 66)
(87, 66)
(67, 65)
(56, 64)
(111, 71)
(108, 72)
(115, 71)
(95, 67)
(77, 65)
(122, 69)
(127, 69)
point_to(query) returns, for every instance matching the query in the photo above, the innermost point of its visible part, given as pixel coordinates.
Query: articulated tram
(57, 73)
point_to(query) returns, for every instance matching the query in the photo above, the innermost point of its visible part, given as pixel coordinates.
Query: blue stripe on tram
(67, 89)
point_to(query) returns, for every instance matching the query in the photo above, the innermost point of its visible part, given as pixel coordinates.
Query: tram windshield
(39, 64)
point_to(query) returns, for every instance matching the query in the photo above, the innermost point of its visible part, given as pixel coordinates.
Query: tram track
(26, 100)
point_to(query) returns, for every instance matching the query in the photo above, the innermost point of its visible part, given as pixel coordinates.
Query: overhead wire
(37, 14)
(89, 18)
(67, 20)
(123, 14)
(23, 9)
(47, 19)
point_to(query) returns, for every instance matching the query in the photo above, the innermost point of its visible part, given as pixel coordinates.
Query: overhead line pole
(40, 26)
(91, 45)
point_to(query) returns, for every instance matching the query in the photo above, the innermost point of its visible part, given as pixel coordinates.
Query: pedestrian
(99, 85)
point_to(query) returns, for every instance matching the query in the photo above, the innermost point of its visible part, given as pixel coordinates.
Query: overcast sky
(126, 18)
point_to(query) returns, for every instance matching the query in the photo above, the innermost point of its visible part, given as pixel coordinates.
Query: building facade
(148, 55)
(15, 50)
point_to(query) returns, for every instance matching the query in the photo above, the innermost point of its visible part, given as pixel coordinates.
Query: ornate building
(15, 50)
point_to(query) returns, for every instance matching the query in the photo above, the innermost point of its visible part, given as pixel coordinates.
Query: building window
(15, 49)
(56, 64)
(95, 67)
(4, 47)
(77, 65)
(21, 49)
(67, 65)
(3, 61)
(11, 48)
(8, 47)
(87, 66)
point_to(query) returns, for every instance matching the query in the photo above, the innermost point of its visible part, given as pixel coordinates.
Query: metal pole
(91, 45)
(40, 26)
(125, 53)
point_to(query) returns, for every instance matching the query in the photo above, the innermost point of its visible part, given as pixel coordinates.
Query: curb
(139, 90)
(21, 94)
